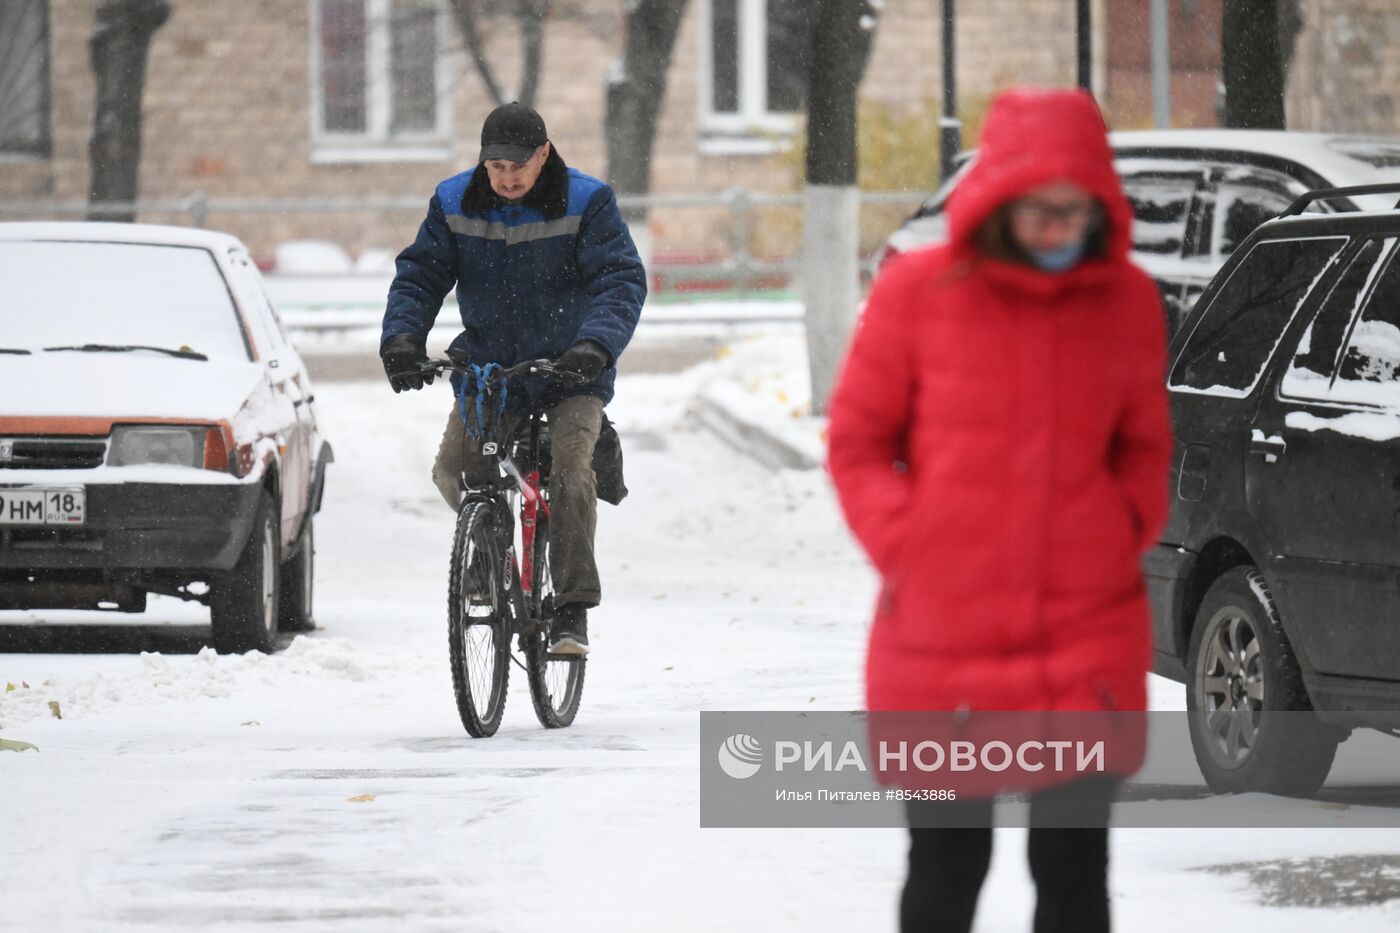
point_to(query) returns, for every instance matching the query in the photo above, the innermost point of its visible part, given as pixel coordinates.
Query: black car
(1276, 585)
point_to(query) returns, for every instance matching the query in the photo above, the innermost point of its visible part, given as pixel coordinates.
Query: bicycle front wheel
(479, 619)
(556, 681)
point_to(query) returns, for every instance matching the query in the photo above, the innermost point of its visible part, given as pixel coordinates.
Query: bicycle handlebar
(505, 374)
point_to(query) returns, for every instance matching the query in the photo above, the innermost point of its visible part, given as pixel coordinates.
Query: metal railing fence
(740, 266)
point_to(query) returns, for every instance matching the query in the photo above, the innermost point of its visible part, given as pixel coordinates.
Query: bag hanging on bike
(607, 464)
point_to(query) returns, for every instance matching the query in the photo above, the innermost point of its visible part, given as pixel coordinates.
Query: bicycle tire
(556, 682)
(479, 620)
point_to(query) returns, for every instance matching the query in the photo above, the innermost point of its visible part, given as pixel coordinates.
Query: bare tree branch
(530, 15)
(466, 15)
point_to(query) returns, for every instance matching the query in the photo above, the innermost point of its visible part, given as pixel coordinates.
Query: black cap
(513, 132)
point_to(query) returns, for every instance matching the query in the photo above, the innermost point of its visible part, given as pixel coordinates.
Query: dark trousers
(947, 865)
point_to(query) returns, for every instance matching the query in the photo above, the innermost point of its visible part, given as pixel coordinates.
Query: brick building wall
(1193, 29)
(227, 111)
(1346, 67)
(228, 103)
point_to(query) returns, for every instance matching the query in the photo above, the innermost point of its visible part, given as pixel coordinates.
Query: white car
(157, 430)
(1196, 194)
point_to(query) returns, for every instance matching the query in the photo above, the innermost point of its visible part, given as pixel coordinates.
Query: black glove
(404, 358)
(585, 358)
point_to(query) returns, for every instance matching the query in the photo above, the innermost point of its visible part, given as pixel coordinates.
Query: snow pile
(161, 678)
(1374, 426)
(762, 386)
(312, 257)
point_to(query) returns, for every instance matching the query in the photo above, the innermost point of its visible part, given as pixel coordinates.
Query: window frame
(378, 143)
(42, 149)
(1131, 172)
(1353, 253)
(1175, 378)
(752, 129)
(1387, 262)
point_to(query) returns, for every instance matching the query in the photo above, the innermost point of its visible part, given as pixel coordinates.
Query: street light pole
(1161, 67)
(950, 127)
(1084, 35)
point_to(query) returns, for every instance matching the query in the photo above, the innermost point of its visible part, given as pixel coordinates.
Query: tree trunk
(634, 101)
(121, 38)
(840, 46)
(635, 96)
(1252, 64)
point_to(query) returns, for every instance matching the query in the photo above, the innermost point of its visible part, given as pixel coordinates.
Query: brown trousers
(573, 489)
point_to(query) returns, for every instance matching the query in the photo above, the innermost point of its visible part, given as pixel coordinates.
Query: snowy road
(332, 787)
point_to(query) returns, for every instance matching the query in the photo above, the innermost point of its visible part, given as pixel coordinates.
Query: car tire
(1251, 722)
(298, 584)
(243, 609)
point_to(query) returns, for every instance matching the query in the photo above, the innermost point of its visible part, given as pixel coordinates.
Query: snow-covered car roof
(1341, 159)
(95, 231)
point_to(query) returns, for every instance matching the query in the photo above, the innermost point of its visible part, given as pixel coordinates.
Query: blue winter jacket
(531, 277)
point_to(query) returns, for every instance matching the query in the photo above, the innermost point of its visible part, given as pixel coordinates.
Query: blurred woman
(999, 441)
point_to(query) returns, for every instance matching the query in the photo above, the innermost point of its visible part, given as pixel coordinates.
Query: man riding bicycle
(544, 267)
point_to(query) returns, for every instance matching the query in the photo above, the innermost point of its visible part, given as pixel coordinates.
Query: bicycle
(493, 596)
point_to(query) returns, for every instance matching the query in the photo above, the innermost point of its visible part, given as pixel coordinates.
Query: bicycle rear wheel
(479, 620)
(556, 681)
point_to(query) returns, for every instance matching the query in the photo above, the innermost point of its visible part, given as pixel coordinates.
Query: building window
(379, 80)
(753, 74)
(24, 79)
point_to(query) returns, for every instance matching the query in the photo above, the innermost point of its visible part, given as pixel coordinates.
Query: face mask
(1058, 260)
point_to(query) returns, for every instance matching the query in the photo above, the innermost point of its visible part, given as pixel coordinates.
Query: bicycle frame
(527, 483)
(532, 503)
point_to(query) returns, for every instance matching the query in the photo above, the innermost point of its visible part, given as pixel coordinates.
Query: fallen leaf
(360, 798)
(251, 722)
(9, 687)
(669, 667)
(1335, 806)
(9, 745)
(53, 708)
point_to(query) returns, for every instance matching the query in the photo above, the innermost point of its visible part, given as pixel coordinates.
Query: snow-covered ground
(332, 787)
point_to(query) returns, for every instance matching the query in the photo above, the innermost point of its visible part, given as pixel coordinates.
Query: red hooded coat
(1000, 443)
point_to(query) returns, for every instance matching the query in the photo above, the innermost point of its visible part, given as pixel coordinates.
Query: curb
(715, 406)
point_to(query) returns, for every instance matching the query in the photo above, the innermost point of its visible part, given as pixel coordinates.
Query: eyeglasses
(1040, 214)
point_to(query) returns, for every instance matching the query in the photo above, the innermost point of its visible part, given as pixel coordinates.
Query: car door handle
(1270, 448)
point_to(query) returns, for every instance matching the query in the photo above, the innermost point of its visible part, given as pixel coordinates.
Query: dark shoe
(569, 633)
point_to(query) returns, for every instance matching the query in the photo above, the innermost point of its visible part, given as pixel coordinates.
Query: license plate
(42, 506)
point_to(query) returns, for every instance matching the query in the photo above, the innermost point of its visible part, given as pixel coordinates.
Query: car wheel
(298, 584)
(1251, 722)
(243, 610)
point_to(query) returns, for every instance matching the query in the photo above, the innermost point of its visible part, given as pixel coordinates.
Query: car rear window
(70, 293)
(1233, 339)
